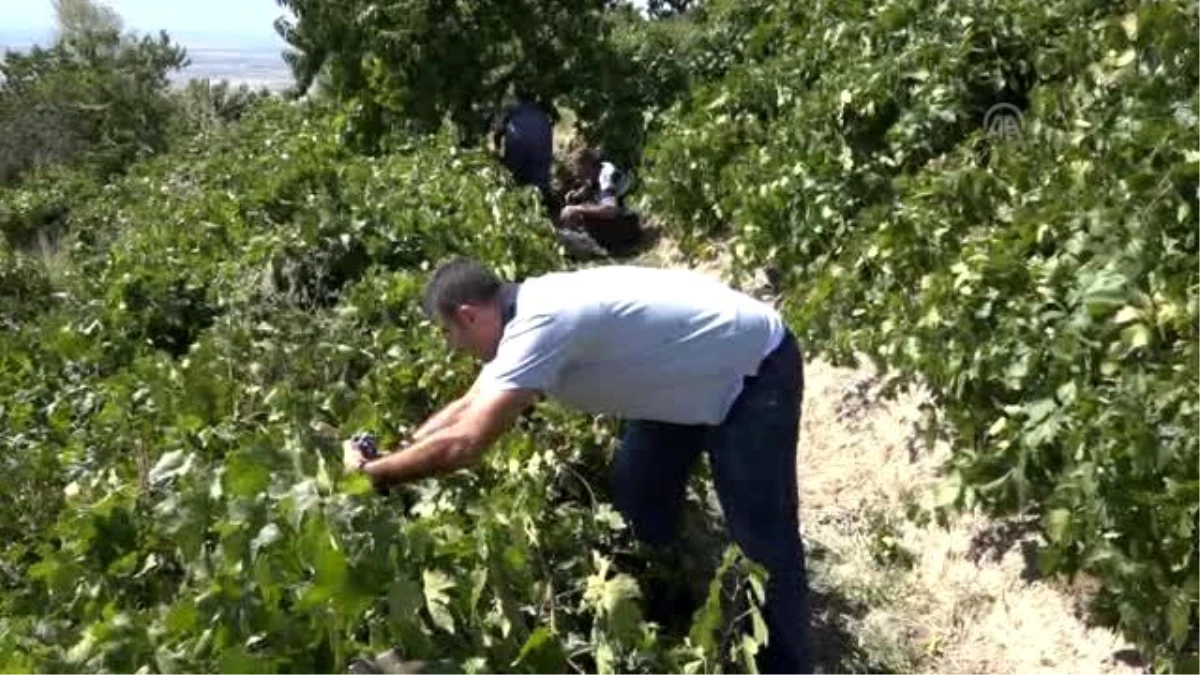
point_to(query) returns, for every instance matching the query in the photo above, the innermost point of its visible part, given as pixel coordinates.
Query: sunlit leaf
(437, 601)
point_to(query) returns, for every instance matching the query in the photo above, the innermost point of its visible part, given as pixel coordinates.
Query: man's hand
(356, 455)
(578, 195)
(352, 457)
(359, 449)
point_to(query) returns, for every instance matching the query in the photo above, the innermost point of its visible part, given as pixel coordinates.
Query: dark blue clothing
(753, 458)
(529, 145)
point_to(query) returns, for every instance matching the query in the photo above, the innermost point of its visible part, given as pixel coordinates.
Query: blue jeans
(753, 458)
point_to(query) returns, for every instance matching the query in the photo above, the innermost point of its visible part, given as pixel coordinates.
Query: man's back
(529, 126)
(642, 343)
(529, 144)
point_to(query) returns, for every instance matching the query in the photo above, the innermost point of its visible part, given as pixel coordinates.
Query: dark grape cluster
(366, 443)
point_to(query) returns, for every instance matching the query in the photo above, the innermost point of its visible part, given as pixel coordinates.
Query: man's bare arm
(576, 214)
(458, 445)
(447, 415)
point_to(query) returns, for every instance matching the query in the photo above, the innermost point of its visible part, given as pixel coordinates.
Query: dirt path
(895, 590)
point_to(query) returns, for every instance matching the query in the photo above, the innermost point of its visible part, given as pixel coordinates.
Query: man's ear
(466, 314)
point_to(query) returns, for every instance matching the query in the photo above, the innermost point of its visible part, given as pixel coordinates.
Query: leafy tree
(83, 17)
(95, 97)
(413, 63)
(642, 67)
(663, 8)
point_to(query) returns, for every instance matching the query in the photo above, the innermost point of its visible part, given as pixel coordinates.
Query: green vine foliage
(172, 403)
(1043, 284)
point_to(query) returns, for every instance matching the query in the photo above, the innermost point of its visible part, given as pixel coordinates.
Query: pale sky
(233, 18)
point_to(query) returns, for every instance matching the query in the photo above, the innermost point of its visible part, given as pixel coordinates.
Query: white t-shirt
(612, 184)
(635, 342)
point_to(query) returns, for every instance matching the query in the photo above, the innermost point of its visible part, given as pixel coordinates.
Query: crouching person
(597, 205)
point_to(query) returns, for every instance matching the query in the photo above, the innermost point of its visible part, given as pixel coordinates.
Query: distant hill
(257, 67)
(255, 60)
(23, 39)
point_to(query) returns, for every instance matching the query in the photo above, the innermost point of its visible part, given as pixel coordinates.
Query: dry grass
(895, 590)
(54, 252)
(954, 599)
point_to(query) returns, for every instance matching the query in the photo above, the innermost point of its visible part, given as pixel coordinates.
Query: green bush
(1044, 286)
(203, 104)
(41, 206)
(95, 98)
